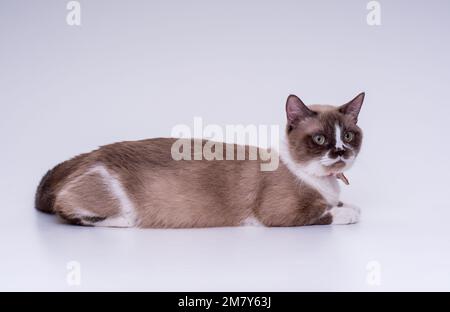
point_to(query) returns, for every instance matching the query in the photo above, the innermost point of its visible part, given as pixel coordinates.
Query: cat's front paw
(345, 214)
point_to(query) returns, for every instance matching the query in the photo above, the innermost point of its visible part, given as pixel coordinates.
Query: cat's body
(139, 184)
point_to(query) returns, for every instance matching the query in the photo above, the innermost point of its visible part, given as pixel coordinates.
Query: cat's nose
(337, 152)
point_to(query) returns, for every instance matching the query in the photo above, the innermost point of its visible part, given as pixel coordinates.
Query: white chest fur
(327, 186)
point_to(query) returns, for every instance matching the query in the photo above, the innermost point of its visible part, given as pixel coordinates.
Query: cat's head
(323, 139)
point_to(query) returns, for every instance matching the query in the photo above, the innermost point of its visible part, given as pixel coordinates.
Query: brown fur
(193, 193)
(303, 147)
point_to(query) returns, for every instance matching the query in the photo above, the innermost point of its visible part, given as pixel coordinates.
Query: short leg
(95, 198)
(344, 214)
(325, 219)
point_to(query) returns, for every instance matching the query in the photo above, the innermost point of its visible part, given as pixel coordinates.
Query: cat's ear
(296, 110)
(353, 107)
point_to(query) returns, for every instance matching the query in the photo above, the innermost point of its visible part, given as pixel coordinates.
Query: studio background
(135, 69)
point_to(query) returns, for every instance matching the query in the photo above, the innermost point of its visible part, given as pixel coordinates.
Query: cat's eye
(319, 139)
(348, 136)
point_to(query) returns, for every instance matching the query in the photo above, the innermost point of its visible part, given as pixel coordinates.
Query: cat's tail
(45, 194)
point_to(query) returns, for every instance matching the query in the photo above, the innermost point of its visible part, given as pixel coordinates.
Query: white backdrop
(135, 69)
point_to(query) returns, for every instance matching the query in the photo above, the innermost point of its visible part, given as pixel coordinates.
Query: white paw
(347, 214)
(119, 221)
(251, 221)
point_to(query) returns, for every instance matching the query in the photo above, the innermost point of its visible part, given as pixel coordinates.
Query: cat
(139, 184)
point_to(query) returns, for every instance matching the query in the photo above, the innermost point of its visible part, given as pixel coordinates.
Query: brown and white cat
(139, 184)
